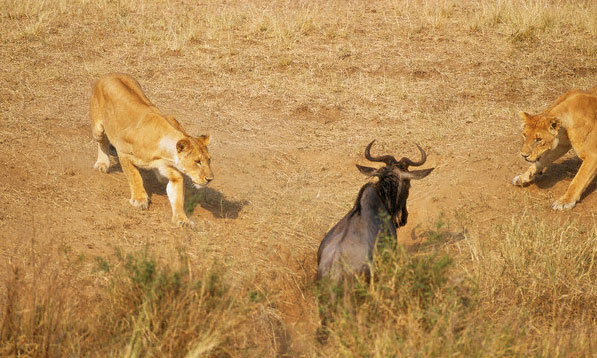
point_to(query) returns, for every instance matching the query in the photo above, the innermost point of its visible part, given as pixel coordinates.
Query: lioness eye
(538, 140)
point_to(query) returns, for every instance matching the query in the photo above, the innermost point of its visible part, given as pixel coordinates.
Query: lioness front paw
(183, 222)
(521, 180)
(516, 181)
(101, 166)
(141, 203)
(562, 204)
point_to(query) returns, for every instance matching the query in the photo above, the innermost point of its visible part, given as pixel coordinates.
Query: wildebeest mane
(388, 188)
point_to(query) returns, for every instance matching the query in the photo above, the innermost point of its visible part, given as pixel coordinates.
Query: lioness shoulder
(570, 122)
(145, 138)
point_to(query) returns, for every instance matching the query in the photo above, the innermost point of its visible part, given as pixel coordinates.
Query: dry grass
(291, 91)
(525, 290)
(139, 309)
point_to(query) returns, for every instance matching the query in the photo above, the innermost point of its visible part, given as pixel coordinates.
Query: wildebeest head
(394, 177)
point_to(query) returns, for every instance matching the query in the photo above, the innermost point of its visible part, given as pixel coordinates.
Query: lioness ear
(554, 125)
(525, 116)
(204, 139)
(182, 145)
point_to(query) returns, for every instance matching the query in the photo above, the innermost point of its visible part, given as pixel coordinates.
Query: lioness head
(540, 134)
(193, 159)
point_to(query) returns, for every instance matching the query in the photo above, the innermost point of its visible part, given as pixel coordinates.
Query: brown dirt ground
(288, 126)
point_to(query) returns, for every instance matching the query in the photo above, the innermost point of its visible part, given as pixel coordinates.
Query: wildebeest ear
(204, 139)
(367, 170)
(182, 145)
(416, 174)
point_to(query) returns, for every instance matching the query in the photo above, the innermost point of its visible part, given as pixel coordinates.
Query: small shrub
(164, 312)
(408, 295)
(145, 309)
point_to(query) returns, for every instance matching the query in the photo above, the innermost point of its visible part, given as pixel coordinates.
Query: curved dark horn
(409, 162)
(388, 159)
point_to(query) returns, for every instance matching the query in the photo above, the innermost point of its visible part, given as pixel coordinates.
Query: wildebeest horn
(408, 162)
(388, 159)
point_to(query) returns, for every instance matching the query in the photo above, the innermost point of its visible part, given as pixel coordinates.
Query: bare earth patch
(291, 93)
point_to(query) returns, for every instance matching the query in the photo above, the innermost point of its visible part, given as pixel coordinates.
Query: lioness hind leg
(103, 145)
(539, 166)
(139, 198)
(103, 156)
(581, 180)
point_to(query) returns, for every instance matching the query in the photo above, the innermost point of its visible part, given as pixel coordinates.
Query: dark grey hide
(348, 247)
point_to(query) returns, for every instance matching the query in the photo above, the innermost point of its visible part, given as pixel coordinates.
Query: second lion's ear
(204, 139)
(183, 145)
(554, 125)
(525, 116)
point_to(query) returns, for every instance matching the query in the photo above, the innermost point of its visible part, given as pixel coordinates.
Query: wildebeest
(348, 247)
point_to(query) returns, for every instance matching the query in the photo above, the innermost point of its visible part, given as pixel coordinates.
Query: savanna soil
(291, 93)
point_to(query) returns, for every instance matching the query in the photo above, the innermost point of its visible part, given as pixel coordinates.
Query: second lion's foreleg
(539, 166)
(583, 178)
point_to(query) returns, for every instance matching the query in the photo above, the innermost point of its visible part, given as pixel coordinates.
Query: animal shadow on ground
(208, 198)
(214, 201)
(566, 169)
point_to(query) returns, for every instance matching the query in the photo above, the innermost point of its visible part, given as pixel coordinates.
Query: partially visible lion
(570, 122)
(145, 138)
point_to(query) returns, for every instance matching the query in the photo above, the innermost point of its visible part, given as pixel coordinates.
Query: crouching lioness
(145, 138)
(570, 122)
